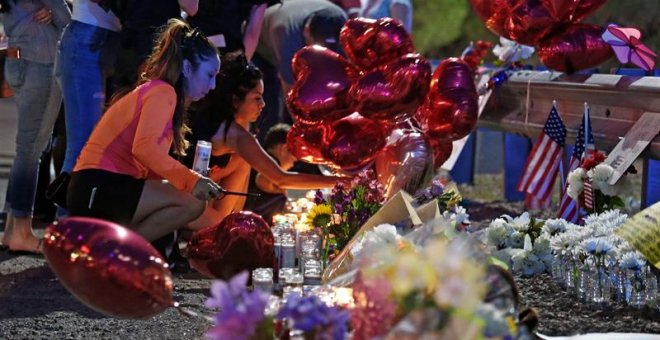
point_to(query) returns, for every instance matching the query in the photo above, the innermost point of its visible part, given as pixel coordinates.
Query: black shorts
(104, 194)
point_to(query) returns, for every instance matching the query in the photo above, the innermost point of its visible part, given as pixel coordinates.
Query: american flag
(568, 208)
(543, 162)
(588, 195)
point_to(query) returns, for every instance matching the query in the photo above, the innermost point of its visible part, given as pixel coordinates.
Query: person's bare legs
(19, 234)
(162, 209)
(234, 177)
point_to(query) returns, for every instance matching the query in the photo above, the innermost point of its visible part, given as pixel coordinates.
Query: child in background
(273, 198)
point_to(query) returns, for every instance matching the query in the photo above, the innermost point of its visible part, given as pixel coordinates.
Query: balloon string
(189, 313)
(529, 94)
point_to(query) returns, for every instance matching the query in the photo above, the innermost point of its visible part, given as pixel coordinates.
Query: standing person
(287, 28)
(33, 28)
(140, 20)
(119, 175)
(352, 7)
(223, 118)
(85, 60)
(400, 10)
(232, 25)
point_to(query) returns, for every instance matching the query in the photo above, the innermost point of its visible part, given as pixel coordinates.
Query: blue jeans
(38, 100)
(85, 57)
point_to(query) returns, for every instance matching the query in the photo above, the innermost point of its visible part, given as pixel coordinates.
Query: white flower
(542, 246)
(520, 223)
(562, 244)
(576, 183)
(601, 173)
(526, 263)
(384, 234)
(600, 246)
(516, 240)
(632, 260)
(460, 215)
(497, 235)
(510, 51)
(611, 219)
(554, 226)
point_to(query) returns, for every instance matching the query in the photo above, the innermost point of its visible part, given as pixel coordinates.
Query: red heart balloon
(405, 163)
(242, 241)
(529, 22)
(441, 151)
(372, 43)
(450, 110)
(393, 91)
(109, 268)
(577, 47)
(354, 141)
(571, 10)
(323, 78)
(306, 142)
(495, 13)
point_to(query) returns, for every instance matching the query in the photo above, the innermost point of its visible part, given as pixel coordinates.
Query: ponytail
(177, 42)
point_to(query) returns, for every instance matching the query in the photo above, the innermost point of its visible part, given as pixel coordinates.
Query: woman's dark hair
(237, 77)
(177, 42)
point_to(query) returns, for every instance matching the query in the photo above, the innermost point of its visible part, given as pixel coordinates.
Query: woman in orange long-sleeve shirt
(125, 173)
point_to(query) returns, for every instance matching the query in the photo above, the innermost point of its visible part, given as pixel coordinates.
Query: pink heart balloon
(441, 151)
(242, 241)
(319, 93)
(354, 141)
(393, 91)
(404, 164)
(306, 142)
(372, 43)
(451, 109)
(110, 268)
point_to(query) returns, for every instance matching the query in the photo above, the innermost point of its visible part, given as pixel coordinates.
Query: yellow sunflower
(319, 216)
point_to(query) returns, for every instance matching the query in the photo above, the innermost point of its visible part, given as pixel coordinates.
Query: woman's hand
(205, 189)
(43, 16)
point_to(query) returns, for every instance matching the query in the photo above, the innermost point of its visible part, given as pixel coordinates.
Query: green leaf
(497, 262)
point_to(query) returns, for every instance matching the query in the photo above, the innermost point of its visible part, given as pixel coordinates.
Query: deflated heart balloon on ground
(110, 268)
(242, 241)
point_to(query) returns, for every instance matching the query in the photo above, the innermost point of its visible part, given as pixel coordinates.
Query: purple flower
(310, 314)
(318, 197)
(240, 311)
(436, 189)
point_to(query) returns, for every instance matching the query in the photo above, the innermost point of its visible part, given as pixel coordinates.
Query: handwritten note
(636, 140)
(643, 232)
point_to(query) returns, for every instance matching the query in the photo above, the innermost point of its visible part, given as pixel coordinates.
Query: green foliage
(437, 23)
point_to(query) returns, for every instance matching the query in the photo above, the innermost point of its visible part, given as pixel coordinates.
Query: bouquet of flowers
(340, 215)
(598, 174)
(432, 292)
(596, 252)
(521, 242)
(244, 314)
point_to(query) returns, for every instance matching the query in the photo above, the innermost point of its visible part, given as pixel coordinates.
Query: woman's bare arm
(247, 147)
(253, 29)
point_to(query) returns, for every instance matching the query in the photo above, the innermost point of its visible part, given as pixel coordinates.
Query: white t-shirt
(91, 13)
